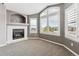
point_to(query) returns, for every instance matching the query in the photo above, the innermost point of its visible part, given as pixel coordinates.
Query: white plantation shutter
(71, 20)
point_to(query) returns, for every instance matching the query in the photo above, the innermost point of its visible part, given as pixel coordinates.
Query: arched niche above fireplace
(17, 18)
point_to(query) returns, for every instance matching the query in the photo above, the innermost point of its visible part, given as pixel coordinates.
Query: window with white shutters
(71, 25)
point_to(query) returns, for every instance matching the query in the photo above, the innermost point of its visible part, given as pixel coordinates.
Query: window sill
(54, 33)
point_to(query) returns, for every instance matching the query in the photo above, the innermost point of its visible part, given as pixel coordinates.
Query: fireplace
(18, 33)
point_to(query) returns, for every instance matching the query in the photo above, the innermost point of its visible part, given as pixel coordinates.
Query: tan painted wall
(2, 24)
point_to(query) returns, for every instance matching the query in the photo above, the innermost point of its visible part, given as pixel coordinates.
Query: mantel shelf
(18, 24)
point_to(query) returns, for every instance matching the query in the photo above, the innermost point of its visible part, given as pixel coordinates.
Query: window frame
(33, 25)
(47, 16)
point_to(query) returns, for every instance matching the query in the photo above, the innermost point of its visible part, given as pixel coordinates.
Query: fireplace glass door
(18, 33)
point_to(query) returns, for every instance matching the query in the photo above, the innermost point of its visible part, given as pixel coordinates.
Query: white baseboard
(3, 45)
(33, 38)
(12, 42)
(61, 45)
(15, 41)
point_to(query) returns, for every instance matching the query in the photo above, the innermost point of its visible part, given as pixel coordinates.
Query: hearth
(18, 33)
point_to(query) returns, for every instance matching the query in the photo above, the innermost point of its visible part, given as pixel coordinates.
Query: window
(54, 24)
(71, 26)
(43, 22)
(33, 25)
(50, 21)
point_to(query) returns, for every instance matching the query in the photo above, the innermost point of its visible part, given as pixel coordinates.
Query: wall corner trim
(61, 45)
(2, 45)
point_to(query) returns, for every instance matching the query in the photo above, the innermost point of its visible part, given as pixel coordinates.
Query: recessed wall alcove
(17, 18)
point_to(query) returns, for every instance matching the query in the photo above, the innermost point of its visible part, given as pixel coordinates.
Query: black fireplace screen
(18, 33)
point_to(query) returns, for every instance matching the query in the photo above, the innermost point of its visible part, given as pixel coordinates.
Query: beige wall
(2, 24)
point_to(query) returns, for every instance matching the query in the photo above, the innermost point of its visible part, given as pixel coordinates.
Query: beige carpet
(34, 48)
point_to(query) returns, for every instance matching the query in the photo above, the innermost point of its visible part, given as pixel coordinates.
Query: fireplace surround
(18, 33)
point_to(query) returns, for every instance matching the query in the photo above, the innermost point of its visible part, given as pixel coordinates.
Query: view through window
(50, 21)
(33, 25)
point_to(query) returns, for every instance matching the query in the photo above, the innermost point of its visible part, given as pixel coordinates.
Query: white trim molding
(62, 46)
(10, 33)
(2, 45)
(33, 38)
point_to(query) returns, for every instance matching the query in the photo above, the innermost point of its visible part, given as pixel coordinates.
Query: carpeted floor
(34, 48)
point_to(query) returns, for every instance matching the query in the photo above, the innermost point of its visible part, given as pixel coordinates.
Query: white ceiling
(27, 8)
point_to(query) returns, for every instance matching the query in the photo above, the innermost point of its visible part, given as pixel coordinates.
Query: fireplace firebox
(18, 33)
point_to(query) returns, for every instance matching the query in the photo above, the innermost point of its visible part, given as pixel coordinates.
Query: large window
(33, 25)
(43, 22)
(71, 23)
(50, 21)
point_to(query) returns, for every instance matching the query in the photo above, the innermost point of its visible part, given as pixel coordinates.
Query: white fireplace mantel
(10, 33)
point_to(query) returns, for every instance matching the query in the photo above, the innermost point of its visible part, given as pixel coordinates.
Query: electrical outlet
(71, 44)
